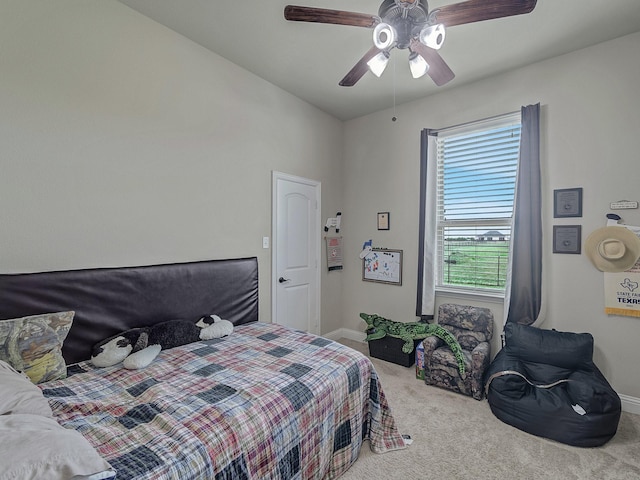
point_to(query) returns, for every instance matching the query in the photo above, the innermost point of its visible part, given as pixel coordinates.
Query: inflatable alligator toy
(379, 327)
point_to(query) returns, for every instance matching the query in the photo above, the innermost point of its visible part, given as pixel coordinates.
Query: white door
(296, 252)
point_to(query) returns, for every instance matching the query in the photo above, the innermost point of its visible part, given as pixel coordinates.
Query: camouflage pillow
(33, 345)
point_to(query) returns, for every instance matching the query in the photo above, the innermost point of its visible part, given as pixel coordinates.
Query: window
(476, 175)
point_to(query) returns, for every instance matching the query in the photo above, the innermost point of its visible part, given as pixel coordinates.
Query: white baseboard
(629, 404)
(346, 333)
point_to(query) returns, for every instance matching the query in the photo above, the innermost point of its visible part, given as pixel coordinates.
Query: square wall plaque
(567, 238)
(567, 202)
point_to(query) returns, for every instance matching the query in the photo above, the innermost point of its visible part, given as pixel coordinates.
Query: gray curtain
(523, 296)
(425, 304)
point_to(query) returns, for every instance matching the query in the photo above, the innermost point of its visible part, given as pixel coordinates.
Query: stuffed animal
(214, 327)
(379, 327)
(138, 347)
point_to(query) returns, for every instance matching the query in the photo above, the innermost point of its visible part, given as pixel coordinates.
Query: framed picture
(567, 202)
(383, 265)
(383, 220)
(567, 238)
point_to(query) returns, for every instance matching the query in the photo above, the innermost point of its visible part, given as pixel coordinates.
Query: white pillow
(106, 475)
(19, 395)
(36, 447)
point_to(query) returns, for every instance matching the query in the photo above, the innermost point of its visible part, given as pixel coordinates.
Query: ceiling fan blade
(295, 13)
(480, 10)
(359, 69)
(439, 71)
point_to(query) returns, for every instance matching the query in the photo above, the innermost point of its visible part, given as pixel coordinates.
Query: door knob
(282, 279)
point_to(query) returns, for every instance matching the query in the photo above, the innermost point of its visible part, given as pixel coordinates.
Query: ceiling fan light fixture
(384, 36)
(433, 36)
(410, 24)
(378, 63)
(417, 65)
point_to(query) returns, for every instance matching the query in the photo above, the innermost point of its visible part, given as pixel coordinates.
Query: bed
(266, 402)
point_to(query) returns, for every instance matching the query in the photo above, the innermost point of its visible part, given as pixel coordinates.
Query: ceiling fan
(409, 24)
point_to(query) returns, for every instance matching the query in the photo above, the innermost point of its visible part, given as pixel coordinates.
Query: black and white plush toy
(138, 347)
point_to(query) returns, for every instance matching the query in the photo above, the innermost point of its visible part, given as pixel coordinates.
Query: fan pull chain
(394, 118)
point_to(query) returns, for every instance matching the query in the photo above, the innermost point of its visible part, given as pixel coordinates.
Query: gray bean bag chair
(544, 382)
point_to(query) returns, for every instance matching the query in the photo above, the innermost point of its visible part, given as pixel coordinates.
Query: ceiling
(309, 59)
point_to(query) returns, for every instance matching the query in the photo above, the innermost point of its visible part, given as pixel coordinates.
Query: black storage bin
(390, 349)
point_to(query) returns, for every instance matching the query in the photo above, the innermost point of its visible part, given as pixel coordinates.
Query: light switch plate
(265, 242)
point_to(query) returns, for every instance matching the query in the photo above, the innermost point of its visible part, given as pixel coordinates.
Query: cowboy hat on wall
(613, 248)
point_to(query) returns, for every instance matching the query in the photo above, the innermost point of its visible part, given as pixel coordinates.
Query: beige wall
(590, 124)
(123, 143)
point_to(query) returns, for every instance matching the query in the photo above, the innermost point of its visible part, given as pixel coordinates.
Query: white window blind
(476, 185)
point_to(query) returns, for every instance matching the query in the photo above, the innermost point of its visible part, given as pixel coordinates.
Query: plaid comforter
(266, 402)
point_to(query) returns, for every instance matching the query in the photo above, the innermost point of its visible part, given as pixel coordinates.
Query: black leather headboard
(110, 300)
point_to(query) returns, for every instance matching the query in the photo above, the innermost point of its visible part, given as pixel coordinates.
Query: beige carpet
(457, 437)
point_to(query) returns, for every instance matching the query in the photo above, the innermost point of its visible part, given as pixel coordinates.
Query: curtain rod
(435, 131)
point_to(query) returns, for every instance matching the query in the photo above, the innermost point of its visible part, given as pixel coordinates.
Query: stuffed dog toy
(138, 347)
